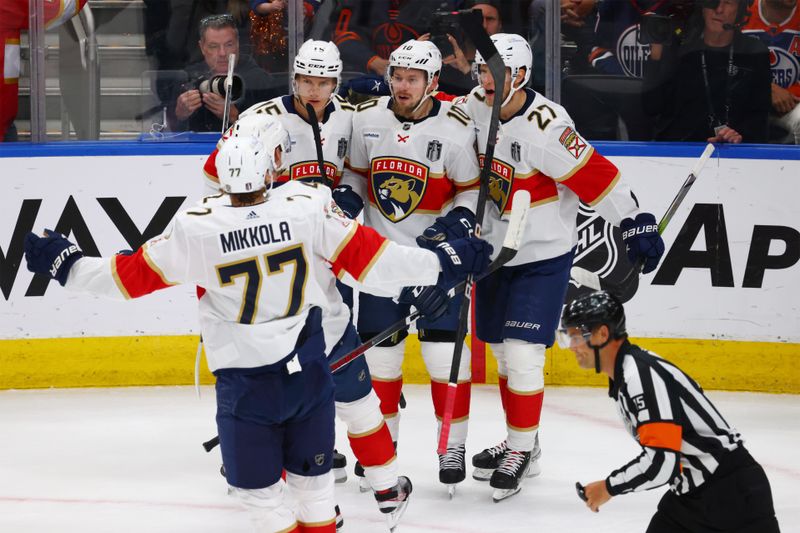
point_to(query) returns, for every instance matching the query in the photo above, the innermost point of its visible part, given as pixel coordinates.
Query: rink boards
(723, 303)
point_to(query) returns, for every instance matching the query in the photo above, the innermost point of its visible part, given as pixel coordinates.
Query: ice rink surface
(130, 459)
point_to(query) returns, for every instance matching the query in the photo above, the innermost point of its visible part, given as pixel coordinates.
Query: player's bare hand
(187, 104)
(726, 134)
(596, 494)
(782, 100)
(457, 59)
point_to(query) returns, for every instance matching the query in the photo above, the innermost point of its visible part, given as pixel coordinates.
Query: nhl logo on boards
(397, 186)
(341, 149)
(434, 151)
(501, 176)
(516, 152)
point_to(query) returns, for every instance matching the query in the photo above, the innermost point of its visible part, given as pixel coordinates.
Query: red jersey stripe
(359, 251)
(593, 179)
(136, 275)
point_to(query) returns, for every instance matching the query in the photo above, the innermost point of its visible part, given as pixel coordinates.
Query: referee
(715, 484)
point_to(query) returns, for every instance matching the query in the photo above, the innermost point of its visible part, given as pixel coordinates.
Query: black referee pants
(736, 499)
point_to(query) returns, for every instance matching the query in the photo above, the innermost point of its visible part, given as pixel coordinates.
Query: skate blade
(339, 475)
(482, 474)
(363, 485)
(502, 494)
(393, 518)
(451, 491)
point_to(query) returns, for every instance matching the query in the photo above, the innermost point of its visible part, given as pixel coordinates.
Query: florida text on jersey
(539, 150)
(411, 171)
(301, 162)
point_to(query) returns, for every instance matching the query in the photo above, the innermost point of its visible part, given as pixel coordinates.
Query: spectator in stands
(196, 111)
(367, 31)
(268, 34)
(577, 27)
(714, 85)
(777, 24)
(184, 22)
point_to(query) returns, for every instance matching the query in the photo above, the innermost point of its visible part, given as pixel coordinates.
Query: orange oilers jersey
(301, 163)
(410, 172)
(783, 41)
(262, 268)
(539, 150)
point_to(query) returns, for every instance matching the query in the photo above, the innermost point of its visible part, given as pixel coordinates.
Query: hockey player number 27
(251, 269)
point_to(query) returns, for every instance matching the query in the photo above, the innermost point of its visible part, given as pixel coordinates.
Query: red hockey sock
(389, 393)
(523, 409)
(461, 407)
(373, 448)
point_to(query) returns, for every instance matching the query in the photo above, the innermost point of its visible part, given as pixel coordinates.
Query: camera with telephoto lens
(443, 24)
(216, 84)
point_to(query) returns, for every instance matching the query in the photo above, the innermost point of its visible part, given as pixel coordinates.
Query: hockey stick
(593, 281)
(516, 225)
(226, 112)
(472, 22)
(312, 119)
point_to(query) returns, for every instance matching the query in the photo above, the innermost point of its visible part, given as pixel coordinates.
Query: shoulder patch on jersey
(573, 142)
(398, 185)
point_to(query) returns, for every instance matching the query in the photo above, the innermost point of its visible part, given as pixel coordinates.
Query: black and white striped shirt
(682, 434)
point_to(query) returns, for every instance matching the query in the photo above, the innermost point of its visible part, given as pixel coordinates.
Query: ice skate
(506, 478)
(393, 502)
(339, 464)
(363, 484)
(452, 468)
(486, 462)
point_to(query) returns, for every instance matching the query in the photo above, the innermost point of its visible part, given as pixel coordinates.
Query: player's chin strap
(510, 93)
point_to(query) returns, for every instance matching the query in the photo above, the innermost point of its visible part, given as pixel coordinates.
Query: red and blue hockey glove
(430, 301)
(348, 200)
(642, 241)
(462, 257)
(52, 255)
(457, 224)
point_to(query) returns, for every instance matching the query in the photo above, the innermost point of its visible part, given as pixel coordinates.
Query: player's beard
(406, 109)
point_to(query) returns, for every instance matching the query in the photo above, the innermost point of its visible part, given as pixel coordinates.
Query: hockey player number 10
(251, 269)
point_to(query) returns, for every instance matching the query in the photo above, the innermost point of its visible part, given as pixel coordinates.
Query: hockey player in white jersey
(411, 159)
(268, 311)
(518, 307)
(316, 76)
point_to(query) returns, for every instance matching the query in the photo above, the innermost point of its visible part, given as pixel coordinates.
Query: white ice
(130, 459)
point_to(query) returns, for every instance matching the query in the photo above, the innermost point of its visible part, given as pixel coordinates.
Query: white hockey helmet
(422, 55)
(243, 161)
(318, 58)
(516, 54)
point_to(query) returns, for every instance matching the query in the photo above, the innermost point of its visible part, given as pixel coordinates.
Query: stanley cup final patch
(341, 149)
(573, 142)
(434, 151)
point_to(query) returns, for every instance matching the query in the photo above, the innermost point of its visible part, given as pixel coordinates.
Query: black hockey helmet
(593, 309)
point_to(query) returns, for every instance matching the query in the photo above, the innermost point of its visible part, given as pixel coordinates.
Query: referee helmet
(595, 309)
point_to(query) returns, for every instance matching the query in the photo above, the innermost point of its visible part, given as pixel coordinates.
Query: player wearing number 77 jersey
(518, 307)
(269, 310)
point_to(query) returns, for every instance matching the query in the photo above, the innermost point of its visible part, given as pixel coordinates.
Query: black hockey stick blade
(590, 279)
(312, 119)
(581, 490)
(211, 443)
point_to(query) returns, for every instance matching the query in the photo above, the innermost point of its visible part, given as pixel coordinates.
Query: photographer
(711, 84)
(198, 107)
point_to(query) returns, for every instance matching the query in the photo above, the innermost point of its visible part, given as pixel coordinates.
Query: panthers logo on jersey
(398, 185)
(309, 171)
(501, 177)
